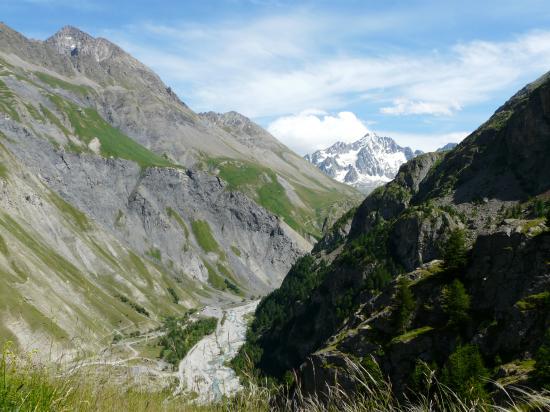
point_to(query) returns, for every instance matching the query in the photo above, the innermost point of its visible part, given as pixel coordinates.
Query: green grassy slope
(305, 210)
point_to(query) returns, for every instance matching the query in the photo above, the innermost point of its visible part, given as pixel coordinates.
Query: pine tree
(456, 302)
(455, 253)
(405, 305)
(465, 373)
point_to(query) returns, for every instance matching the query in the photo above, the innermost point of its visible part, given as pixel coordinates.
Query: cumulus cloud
(313, 129)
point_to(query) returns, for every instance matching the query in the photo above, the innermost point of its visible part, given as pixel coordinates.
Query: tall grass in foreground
(27, 385)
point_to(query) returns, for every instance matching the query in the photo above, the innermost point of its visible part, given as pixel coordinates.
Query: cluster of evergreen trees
(182, 333)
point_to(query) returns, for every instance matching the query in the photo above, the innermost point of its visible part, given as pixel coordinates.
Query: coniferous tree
(405, 305)
(456, 302)
(455, 252)
(465, 373)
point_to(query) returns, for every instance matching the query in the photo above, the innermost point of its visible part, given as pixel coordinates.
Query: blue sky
(312, 72)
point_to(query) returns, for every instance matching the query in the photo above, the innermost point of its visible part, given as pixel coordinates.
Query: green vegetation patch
(465, 373)
(236, 250)
(57, 83)
(8, 102)
(262, 184)
(52, 118)
(410, 335)
(176, 216)
(215, 280)
(498, 120)
(78, 218)
(534, 302)
(233, 287)
(3, 246)
(277, 308)
(88, 124)
(429, 273)
(3, 171)
(35, 114)
(139, 265)
(533, 226)
(230, 281)
(203, 234)
(182, 334)
(154, 253)
(136, 306)
(173, 294)
(272, 196)
(222, 280)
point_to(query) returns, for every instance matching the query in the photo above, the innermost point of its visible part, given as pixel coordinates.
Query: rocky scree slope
(66, 283)
(376, 286)
(104, 228)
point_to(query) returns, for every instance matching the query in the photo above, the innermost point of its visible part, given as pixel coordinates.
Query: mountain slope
(366, 164)
(133, 99)
(63, 277)
(376, 285)
(278, 178)
(109, 204)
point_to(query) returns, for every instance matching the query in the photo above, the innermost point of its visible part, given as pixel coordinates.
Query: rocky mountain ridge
(446, 263)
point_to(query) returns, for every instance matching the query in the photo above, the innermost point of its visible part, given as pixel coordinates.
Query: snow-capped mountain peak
(366, 163)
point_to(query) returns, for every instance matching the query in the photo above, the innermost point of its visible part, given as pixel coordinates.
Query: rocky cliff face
(113, 214)
(493, 188)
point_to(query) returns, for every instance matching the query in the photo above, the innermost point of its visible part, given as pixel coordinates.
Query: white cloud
(427, 142)
(313, 129)
(405, 106)
(286, 63)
